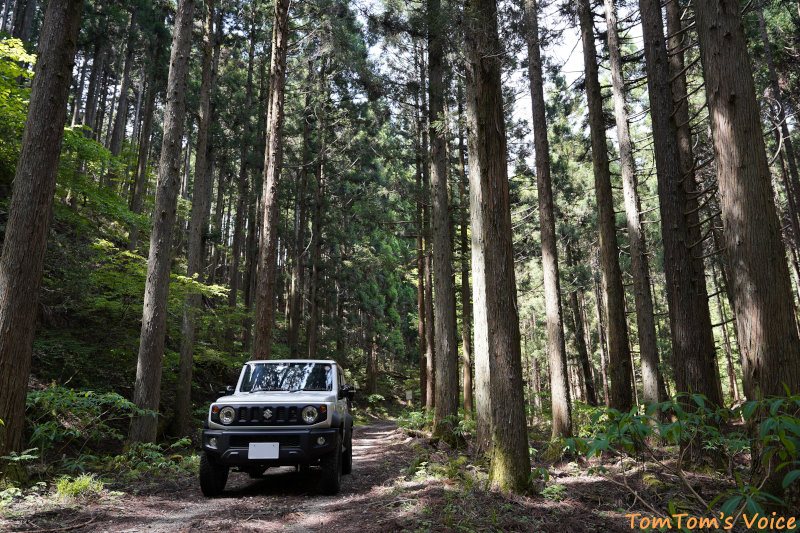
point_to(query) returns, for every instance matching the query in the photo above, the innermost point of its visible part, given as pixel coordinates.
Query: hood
(279, 397)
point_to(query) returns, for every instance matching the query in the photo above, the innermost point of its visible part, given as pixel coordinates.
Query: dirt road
(283, 500)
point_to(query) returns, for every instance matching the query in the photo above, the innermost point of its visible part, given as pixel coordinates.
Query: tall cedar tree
(446, 404)
(759, 275)
(497, 338)
(29, 212)
(273, 161)
(613, 295)
(147, 389)
(241, 182)
(466, 295)
(201, 196)
(694, 358)
(643, 299)
(556, 347)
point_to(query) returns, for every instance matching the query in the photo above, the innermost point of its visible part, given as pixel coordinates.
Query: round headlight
(227, 415)
(309, 414)
(267, 413)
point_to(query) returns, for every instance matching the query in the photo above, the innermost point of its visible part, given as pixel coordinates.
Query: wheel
(331, 464)
(213, 476)
(347, 455)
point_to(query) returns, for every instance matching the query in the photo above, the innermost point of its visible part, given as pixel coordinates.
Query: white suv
(281, 412)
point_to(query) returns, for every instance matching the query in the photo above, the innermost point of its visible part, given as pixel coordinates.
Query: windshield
(287, 377)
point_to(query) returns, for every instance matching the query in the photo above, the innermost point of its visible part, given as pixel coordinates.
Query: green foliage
(61, 418)
(693, 422)
(84, 487)
(15, 64)
(415, 420)
(554, 492)
(141, 459)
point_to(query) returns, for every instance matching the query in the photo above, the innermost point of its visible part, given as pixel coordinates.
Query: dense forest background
(443, 197)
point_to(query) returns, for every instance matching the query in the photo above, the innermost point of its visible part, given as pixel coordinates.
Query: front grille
(253, 415)
(285, 441)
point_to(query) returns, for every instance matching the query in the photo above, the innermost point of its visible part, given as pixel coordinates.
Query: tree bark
(316, 224)
(430, 318)
(421, 325)
(201, 193)
(121, 119)
(693, 351)
(31, 205)
(446, 404)
(580, 339)
(154, 316)
(640, 269)
(76, 104)
(556, 349)
(613, 291)
(496, 316)
(140, 182)
(759, 283)
(241, 184)
(273, 161)
(466, 302)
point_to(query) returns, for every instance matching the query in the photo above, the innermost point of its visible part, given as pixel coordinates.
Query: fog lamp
(212, 442)
(320, 440)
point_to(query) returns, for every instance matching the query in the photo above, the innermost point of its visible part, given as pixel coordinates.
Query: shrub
(83, 487)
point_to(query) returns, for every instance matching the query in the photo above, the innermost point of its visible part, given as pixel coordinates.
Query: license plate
(263, 450)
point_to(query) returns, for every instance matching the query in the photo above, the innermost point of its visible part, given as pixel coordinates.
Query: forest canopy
(566, 223)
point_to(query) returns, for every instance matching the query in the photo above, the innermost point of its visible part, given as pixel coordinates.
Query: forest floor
(400, 482)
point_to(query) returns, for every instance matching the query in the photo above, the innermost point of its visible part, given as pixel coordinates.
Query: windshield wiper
(263, 390)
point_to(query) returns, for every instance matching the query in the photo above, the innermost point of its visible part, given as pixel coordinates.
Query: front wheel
(347, 456)
(331, 464)
(213, 476)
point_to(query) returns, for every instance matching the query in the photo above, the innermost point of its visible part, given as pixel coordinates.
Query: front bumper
(295, 446)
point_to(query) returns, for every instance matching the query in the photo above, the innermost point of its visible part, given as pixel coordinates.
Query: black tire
(347, 455)
(331, 464)
(213, 476)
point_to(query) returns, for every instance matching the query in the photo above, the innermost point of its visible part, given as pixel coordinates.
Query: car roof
(325, 361)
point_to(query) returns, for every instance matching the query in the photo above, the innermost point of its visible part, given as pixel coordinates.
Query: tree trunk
(466, 303)
(121, 119)
(4, 15)
(430, 319)
(95, 80)
(759, 283)
(446, 360)
(580, 340)
(298, 267)
(29, 212)
(273, 160)
(201, 191)
(496, 317)
(76, 104)
(788, 146)
(693, 349)
(421, 325)
(154, 317)
(556, 349)
(613, 291)
(601, 329)
(137, 194)
(638, 248)
(241, 185)
(316, 224)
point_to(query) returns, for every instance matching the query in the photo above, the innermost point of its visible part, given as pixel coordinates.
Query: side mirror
(226, 391)
(348, 391)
